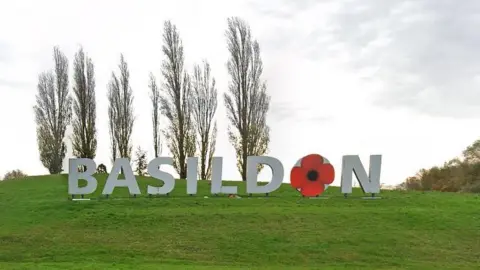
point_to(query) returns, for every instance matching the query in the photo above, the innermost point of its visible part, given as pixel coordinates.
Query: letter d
(74, 175)
(277, 174)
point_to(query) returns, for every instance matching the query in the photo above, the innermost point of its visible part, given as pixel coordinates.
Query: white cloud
(324, 68)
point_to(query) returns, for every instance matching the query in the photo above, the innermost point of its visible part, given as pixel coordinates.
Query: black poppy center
(312, 175)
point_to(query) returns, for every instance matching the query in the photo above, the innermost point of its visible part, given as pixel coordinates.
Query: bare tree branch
(246, 101)
(176, 91)
(155, 98)
(53, 113)
(84, 139)
(111, 126)
(120, 110)
(204, 106)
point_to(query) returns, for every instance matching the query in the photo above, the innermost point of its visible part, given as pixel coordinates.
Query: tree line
(460, 174)
(187, 100)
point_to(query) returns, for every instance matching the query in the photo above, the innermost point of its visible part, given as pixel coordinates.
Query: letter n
(369, 183)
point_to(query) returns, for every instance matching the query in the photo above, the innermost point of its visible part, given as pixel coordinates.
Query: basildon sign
(311, 176)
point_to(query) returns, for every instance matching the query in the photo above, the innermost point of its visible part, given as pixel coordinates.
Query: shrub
(141, 161)
(15, 174)
(102, 168)
(473, 188)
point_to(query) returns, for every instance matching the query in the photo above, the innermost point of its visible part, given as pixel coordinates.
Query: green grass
(41, 229)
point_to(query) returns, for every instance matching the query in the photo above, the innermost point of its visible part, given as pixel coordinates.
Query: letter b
(74, 175)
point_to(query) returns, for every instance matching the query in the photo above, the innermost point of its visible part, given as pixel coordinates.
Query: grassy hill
(41, 229)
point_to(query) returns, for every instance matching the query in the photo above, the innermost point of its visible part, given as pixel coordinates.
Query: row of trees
(188, 101)
(456, 175)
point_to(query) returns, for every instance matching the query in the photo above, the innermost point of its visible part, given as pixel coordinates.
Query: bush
(141, 162)
(15, 174)
(473, 188)
(102, 168)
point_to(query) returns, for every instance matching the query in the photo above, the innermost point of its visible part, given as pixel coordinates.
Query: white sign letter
(217, 178)
(155, 172)
(129, 181)
(192, 175)
(277, 174)
(74, 175)
(369, 183)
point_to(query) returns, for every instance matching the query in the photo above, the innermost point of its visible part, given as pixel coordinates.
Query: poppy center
(312, 175)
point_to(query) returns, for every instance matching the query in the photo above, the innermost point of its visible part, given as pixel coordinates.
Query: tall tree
(204, 105)
(174, 104)
(246, 101)
(111, 127)
(84, 139)
(53, 113)
(120, 110)
(155, 98)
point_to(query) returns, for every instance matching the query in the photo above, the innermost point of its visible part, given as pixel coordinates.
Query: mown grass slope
(41, 229)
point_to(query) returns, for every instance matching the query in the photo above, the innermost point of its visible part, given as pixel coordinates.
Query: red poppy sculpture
(312, 175)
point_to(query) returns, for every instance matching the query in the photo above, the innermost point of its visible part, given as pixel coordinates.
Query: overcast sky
(396, 78)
